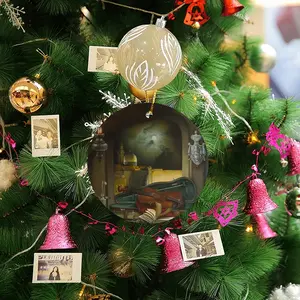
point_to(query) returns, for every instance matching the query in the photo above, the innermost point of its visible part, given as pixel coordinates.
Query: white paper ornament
(149, 57)
(7, 174)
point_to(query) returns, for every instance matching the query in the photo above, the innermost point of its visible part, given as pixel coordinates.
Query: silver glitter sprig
(13, 13)
(114, 101)
(211, 107)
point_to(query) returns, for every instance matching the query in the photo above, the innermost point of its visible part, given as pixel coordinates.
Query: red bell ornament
(231, 7)
(58, 233)
(263, 228)
(294, 159)
(173, 260)
(258, 199)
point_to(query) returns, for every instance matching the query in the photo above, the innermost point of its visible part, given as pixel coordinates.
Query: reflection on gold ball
(249, 228)
(121, 263)
(142, 95)
(27, 95)
(196, 25)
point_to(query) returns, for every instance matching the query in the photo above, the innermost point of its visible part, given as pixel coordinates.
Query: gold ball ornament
(142, 95)
(121, 263)
(267, 58)
(149, 56)
(27, 95)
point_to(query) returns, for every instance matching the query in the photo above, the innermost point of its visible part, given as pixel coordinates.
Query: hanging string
(142, 10)
(218, 92)
(3, 132)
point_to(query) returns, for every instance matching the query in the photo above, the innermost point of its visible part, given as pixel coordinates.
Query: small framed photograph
(102, 59)
(45, 135)
(57, 267)
(201, 245)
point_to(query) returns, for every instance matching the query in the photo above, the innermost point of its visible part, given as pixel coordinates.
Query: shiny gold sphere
(27, 95)
(142, 95)
(196, 25)
(121, 263)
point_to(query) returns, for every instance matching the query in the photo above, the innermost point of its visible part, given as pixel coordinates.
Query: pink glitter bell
(258, 198)
(294, 159)
(173, 260)
(263, 229)
(58, 233)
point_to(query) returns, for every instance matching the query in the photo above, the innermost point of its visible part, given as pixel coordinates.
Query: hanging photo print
(57, 267)
(201, 245)
(45, 135)
(102, 59)
(154, 169)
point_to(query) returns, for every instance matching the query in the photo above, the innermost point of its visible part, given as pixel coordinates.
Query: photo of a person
(40, 140)
(57, 267)
(200, 245)
(54, 275)
(102, 59)
(110, 64)
(201, 251)
(45, 135)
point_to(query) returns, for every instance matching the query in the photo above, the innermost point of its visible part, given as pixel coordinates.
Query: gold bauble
(121, 263)
(27, 95)
(142, 95)
(196, 25)
(267, 58)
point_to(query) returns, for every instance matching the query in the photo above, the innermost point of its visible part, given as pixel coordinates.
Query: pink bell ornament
(173, 260)
(258, 199)
(262, 226)
(294, 159)
(58, 233)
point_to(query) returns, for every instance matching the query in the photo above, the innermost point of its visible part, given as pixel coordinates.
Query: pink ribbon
(62, 205)
(24, 182)
(111, 230)
(159, 240)
(10, 140)
(177, 224)
(193, 215)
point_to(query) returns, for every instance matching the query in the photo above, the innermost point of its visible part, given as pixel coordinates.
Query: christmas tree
(70, 186)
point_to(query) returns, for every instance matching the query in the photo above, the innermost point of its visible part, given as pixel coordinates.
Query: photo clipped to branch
(45, 135)
(102, 59)
(57, 267)
(201, 245)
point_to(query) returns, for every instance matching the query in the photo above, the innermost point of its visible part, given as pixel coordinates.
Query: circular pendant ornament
(154, 168)
(149, 56)
(27, 95)
(292, 203)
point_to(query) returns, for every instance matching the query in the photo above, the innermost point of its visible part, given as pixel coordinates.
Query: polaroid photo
(201, 245)
(57, 267)
(45, 135)
(102, 59)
